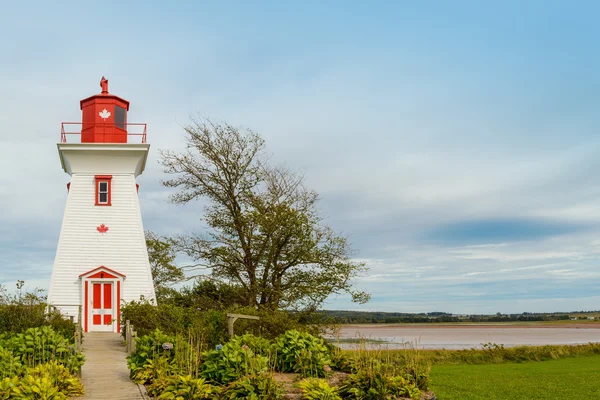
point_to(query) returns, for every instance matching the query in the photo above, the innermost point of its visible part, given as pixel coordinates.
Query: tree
(161, 254)
(207, 294)
(264, 231)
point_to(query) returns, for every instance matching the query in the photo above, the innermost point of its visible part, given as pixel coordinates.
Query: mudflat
(461, 336)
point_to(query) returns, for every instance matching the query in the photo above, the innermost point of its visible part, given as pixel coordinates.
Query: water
(468, 336)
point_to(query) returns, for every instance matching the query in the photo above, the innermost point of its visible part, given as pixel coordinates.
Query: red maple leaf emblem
(102, 229)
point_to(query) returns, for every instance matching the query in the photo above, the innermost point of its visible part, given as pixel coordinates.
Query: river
(465, 336)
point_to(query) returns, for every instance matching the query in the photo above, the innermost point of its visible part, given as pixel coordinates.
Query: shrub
(61, 325)
(147, 317)
(302, 353)
(257, 344)
(318, 389)
(59, 376)
(374, 385)
(7, 386)
(32, 388)
(10, 364)
(231, 362)
(260, 386)
(272, 323)
(151, 359)
(187, 388)
(40, 345)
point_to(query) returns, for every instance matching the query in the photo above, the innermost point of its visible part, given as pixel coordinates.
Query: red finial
(104, 85)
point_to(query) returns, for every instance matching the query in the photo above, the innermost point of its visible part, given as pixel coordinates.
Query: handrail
(106, 128)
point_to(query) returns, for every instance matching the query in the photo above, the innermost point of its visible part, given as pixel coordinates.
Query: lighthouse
(101, 258)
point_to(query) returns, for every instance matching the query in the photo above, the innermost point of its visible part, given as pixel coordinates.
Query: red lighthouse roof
(104, 119)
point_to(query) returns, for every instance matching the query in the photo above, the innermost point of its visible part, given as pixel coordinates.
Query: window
(120, 117)
(103, 195)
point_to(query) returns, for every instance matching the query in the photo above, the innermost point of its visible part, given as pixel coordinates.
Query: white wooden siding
(82, 248)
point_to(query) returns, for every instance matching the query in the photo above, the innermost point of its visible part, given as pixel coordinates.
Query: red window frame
(103, 179)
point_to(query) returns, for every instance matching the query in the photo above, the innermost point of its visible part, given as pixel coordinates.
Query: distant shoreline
(487, 325)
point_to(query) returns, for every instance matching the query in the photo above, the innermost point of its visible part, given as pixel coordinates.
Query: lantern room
(104, 117)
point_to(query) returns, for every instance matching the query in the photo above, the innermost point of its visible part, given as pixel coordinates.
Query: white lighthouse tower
(101, 259)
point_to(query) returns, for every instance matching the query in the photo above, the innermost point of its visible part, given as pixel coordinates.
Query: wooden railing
(130, 337)
(231, 318)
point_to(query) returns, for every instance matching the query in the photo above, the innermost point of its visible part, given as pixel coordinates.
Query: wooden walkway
(105, 375)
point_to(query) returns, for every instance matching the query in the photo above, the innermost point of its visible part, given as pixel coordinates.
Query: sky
(454, 142)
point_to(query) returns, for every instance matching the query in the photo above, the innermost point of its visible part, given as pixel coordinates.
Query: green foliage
(207, 294)
(273, 323)
(318, 389)
(40, 345)
(259, 386)
(188, 388)
(27, 309)
(59, 376)
(21, 310)
(173, 319)
(61, 325)
(7, 386)
(147, 317)
(233, 361)
(10, 364)
(32, 388)
(489, 354)
(302, 353)
(150, 360)
(161, 255)
(257, 344)
(377, 385)
(158, 385)
(265, 233)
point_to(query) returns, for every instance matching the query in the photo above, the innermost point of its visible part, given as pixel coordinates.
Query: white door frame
(101, 275)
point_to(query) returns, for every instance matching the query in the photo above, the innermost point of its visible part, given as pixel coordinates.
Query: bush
(7, 386)
(302, 353)
(21, 310)
(40, 345)
(59, 376)
(272, 323)
(318, 389)
(260, 386)
(187, 388)
(147, 317)
(233, 361)
(151, 359)
(10, 364)
(61, 325)
(375, 385)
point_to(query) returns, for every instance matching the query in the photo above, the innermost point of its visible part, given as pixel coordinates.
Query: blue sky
(454, 142)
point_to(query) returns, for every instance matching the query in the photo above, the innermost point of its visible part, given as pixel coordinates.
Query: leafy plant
(302, 353)
(231, 362)
(32, 388)
(10, 364)
(260, 386)
(148, 349)
(7, 386)
(187, 388)
(318, 389)
(376, 385)
(40, 345)
(59, 376)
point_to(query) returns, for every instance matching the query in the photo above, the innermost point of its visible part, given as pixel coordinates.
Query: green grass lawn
(570, 378)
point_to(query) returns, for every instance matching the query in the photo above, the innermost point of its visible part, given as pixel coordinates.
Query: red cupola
(104, 117)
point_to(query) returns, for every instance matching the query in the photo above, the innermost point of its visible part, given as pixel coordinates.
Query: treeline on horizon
(379, 317)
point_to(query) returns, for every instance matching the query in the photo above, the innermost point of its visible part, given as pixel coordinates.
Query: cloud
(458, 155)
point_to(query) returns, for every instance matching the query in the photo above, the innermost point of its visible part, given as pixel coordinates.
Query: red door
(102, 306)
